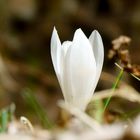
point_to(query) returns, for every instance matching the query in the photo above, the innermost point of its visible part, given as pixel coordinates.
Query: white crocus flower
(78, 66)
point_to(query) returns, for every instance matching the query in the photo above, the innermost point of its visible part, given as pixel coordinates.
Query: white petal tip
(55, 36)
(54, 30)
(96, 33)
(95, 37)
(79, 34)
(79, 30)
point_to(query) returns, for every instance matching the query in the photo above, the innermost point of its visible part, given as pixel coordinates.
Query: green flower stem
(113, 88)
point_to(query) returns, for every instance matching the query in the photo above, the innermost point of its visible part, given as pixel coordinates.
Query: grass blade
(113, 88)
(34, 104)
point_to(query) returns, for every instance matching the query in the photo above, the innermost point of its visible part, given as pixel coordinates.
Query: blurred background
(25, 32)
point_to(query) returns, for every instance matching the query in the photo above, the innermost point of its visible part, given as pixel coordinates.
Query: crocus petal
(98, 50)
(81, 69)
(56, 53)
(65, 83)
(65, 47)
(56, 50)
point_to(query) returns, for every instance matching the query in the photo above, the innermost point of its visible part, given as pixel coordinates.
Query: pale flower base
(81, 115)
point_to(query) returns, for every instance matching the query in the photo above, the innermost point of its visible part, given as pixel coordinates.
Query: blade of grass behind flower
(113, 88)
(34, 104)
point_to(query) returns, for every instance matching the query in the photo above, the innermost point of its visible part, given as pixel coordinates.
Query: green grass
(4, 120)
(6, 116)
(113, 88)
(38, 109)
